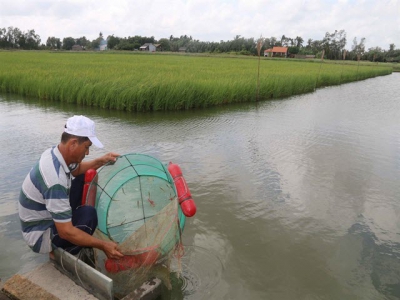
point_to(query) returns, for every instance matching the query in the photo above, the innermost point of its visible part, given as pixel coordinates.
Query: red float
(89, 175)
(144, 259)
(184, 196)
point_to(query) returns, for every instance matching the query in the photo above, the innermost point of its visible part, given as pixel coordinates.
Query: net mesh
(137, 208)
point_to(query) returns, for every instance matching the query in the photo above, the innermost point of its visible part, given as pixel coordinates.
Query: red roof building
(276, 52)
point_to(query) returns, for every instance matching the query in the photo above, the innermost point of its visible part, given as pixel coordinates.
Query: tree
(53, 43)
(68, 43)
(299, 41)
(82, 41)
(393, 55)
(310, 48)
(112, 41)
(125, 45)
(12, 37)
(30, 40)
(3, 38)
(96, 43)
(358, 49)
(284, 41)
(334, 43)
(374, 54)
(293, 50)
(273, 41)
(164, 44)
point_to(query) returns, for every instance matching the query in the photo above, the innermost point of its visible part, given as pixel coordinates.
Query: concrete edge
(3, 295)
(20, 288)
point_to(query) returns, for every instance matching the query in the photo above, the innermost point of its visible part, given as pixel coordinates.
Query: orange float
(144, 259)
(89, 175)
(184, 196)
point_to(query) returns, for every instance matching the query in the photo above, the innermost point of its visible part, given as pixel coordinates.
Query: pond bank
(46, 282)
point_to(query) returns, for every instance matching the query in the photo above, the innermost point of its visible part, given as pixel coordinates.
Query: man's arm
(80, 238)
(95, 163)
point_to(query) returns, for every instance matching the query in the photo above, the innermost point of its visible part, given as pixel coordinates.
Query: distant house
(276, 52)
(148, 47)
(158, 47)
(182, 49)
(103, 45)
(268, 52)
(77, 48)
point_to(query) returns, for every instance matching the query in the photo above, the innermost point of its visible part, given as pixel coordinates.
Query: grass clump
(167, 82)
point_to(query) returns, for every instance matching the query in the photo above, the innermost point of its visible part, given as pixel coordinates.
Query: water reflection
(371, 266)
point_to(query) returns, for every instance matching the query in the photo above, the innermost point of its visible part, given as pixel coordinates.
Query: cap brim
(95, 141)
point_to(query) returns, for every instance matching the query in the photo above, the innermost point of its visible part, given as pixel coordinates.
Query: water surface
(297, 198)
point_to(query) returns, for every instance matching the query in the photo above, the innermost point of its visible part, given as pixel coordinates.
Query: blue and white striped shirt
(44, 199)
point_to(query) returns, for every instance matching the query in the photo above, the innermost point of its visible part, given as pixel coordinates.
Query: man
(49, 202)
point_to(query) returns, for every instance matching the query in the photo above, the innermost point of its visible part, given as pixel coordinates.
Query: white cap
(82, 126)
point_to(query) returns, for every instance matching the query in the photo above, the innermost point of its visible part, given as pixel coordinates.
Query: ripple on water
(195, 275)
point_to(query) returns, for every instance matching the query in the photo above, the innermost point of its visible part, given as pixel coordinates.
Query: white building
(148, 47)
(103, 45)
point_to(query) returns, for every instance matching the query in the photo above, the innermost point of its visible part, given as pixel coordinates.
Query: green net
(137, 208)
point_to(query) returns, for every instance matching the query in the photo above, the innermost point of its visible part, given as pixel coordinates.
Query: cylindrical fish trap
(137, 207)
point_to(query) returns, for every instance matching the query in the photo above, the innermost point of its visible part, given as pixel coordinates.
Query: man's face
(80, 150)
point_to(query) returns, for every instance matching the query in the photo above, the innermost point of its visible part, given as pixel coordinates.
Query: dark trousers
(83, 217)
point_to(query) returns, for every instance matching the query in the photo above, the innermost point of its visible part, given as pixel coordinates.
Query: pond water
(297, 198)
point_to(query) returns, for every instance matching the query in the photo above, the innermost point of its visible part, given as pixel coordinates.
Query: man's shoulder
(51, 168)
(47, 155)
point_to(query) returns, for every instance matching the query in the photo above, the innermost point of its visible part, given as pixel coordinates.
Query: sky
(377, 21)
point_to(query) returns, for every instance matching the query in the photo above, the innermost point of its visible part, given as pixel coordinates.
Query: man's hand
(95, 163)
(80, 238)
(111, 250)
(109, 157)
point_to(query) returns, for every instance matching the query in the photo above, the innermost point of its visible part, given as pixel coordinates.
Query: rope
(179, 250)
(76, 270)
(75, 265)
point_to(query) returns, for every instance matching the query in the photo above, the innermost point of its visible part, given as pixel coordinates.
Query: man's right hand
(80, 238)
(111, 250)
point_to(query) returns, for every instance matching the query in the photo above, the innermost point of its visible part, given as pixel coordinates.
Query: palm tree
(299, 41)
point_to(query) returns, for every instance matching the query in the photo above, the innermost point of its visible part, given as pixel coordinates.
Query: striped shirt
(44, 199)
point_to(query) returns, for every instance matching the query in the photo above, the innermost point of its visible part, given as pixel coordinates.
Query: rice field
(144, 82)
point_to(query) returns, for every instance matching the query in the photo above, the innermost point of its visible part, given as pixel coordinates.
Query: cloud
(208, 20)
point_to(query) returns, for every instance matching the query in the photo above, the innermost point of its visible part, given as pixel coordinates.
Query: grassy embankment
(136, 82)
(395, 66)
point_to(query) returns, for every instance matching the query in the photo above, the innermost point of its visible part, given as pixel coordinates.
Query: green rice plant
(143, 82)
